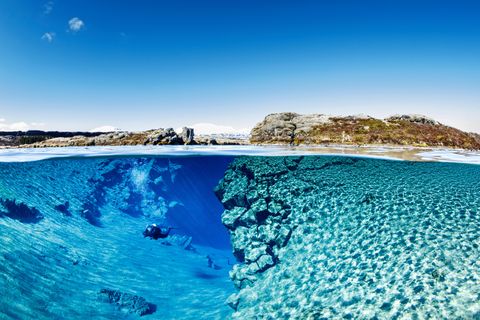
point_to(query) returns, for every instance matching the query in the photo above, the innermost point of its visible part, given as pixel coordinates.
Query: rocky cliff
(412, 130)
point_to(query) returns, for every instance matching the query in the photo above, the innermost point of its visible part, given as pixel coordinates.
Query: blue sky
(82, 64)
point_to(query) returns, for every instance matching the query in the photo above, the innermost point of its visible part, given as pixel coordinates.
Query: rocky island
(319, 129)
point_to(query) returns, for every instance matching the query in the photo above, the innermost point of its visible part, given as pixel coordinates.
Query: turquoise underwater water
(359, 238)
(371, 239)
(75, 229)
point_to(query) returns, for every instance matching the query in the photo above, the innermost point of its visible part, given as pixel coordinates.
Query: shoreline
(389, 152)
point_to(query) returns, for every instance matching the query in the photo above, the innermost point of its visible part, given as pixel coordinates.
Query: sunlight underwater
(304, 237)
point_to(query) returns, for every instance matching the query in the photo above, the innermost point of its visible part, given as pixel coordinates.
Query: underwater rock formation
(138, 187)
(127, 302)
(19, 211)
(333, 237)
(257, 222)
(64, 208)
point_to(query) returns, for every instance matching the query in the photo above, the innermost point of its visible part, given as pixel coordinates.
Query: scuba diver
(155, 232)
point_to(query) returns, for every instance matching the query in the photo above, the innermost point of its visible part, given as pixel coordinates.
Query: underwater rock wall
(92, 189)
(340, 237)
(167, 191)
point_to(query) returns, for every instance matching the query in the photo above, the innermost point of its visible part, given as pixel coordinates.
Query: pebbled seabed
(337, 237)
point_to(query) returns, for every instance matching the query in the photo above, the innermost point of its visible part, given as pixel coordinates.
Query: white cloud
(75, 24)
(48, 7)
(16, 126)
(211, 128)
(2, 120)
(19, 126)
(48, 36)
(105, 129)
(37, 124)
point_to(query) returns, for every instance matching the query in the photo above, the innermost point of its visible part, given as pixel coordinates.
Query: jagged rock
(416, 118)
(232, 301)
(213, 142)
(359, 116)
(231, 217)
(255, 253)
(187, 135)
(264, 262)
(274, 207)
(127, 302)
(241, 276)
(275, 128)
(254, 219)
(241, 240)
(163, 136)
(283, 127)
(230, 195)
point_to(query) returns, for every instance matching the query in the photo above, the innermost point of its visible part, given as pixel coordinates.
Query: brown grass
(374, 131)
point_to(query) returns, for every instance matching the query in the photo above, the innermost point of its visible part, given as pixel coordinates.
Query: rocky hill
(412, 130)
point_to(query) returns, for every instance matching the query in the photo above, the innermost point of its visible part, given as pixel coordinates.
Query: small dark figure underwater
(155, 232)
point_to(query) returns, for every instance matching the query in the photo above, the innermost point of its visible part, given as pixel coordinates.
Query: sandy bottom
(51, 272)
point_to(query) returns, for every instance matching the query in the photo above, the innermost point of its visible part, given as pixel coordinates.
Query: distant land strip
(285, 128)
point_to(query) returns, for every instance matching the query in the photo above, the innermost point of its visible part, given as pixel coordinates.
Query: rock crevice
(254, 217)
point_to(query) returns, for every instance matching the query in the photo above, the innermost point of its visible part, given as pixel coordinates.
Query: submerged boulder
(127, 302)
(19, 211)
(64, 208)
